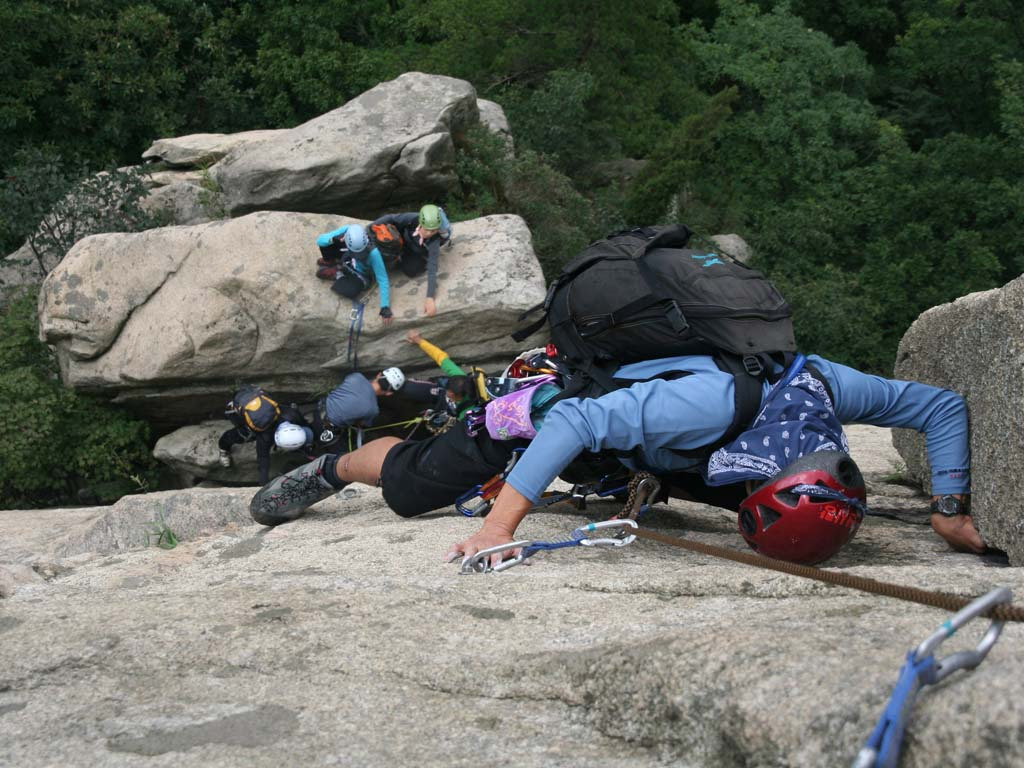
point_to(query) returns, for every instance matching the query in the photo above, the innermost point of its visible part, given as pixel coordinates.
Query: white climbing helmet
(394, 377)
(289, 437)
(356, 239)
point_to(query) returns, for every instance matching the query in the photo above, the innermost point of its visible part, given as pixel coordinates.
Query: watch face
(950, 506)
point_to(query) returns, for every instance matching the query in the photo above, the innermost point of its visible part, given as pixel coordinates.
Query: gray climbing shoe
(287, 497)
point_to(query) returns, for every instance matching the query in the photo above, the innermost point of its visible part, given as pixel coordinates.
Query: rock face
(734, 246)
(342, 639)
(192, 451)
(170, 320)
(975, 346)
(390, 146)
(200, 149)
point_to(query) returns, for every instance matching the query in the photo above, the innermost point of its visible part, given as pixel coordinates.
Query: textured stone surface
(192, 451)
(493, 116)
(180, 202)
(390, 146)
(975, 346)
(201, 149)
(169, 320)
(734, 246)
(342, 639)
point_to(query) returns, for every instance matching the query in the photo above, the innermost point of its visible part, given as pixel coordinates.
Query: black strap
(673, 237)
(747, 391)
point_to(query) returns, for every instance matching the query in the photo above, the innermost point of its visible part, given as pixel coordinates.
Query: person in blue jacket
(423, 234)
(657, 423)
(348, 260)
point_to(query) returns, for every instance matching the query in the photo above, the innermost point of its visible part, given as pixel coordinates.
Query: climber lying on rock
(678, 418)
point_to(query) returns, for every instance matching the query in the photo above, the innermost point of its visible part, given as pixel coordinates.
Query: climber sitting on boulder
(257, 417)
(350, 260)
(422, 235)
(671, 426)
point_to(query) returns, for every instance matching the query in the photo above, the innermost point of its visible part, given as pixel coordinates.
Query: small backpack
(258, 411)
(388, 240)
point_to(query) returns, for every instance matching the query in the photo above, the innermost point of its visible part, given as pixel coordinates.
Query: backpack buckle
(752, 365)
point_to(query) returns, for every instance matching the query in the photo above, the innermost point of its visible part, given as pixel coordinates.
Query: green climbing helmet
(430, 217)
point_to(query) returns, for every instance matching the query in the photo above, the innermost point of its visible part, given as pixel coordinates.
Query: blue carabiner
(882, 749)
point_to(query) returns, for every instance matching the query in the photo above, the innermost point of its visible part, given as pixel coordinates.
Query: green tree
(55, 208)
(943, 71)
(57, 442)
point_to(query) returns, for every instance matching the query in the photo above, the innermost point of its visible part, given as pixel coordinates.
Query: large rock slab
(975, 346)
(168, 321)
(192, 452)
(388, 147)
(198, 150)
(343, 639)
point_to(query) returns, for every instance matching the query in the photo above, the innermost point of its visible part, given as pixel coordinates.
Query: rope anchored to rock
(644, 488)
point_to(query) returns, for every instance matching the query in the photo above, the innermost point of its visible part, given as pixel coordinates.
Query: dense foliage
(871, 151)
(59, 446)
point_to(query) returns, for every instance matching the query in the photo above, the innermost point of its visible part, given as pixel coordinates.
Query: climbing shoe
(287, 497)
(328, 272)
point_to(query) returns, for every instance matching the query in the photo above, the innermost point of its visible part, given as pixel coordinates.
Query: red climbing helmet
(807, 512)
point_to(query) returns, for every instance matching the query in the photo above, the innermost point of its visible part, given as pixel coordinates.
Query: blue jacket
(658, 416)
(363, 263)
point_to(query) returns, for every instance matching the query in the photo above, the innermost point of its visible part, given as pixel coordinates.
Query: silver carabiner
(622, 539)
(965, 659)
(480, 562)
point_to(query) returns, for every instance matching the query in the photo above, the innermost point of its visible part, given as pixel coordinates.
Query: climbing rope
(355, 327)
(644, 487)
(910, 594)
(359, 431)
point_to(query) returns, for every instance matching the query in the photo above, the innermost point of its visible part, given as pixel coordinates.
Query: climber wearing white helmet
(292, 437)
(351, 261)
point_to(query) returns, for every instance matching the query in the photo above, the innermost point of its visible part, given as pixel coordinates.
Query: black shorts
(691, 486)
(420, 476)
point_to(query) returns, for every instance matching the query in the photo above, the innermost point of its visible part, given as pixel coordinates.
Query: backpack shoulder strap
(748, 383)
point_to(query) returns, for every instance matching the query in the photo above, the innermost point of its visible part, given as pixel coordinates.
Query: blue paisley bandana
(797, 418)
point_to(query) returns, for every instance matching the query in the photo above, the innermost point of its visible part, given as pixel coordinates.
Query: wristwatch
(948, 506)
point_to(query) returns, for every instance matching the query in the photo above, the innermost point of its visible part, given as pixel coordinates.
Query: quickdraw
(921, 668)
(621, 531)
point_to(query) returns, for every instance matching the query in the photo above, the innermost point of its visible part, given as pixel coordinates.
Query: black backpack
(642, 295)
(256, 409)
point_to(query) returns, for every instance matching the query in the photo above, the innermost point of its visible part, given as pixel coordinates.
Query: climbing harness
(622, 533)
(921, 668)
(477, 501)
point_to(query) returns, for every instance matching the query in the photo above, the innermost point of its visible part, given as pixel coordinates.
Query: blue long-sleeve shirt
(659, 416)
(363, 263)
